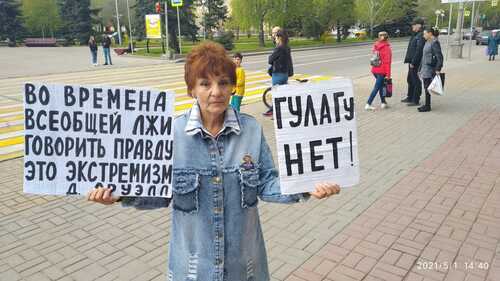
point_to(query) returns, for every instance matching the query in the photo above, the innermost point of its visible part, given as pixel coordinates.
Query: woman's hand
(102, 195)
(324, 190)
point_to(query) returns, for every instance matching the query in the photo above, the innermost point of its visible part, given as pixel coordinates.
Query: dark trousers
(414, 85)
(427, 82)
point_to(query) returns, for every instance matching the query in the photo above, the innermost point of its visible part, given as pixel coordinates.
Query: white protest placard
(81, 137)
(316, 137)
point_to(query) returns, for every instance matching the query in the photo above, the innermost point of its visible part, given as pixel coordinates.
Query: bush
(226, 39)
(312, 28)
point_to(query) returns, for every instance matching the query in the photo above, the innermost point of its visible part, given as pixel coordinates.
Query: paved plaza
(427, 207)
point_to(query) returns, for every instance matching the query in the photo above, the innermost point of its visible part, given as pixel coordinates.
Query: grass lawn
(244, 44)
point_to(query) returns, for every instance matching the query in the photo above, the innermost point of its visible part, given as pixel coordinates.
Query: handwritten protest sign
(316, 135)
(80, 137)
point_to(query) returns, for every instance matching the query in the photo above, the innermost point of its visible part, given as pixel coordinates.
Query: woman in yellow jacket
(240, 82)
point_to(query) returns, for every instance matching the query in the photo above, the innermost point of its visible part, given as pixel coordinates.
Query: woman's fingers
(319, 192)
(101, 195)
(335, 188)
(107, 195)
(91, 195)
(325, 190)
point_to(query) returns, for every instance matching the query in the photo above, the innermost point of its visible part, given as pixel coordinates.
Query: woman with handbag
(432, 62)
(381, 69)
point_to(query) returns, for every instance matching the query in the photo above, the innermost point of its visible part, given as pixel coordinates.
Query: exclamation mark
(350, 141)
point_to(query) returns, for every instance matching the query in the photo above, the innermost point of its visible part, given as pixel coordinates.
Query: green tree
(374, 12)
(214, 14)
(253, 13)
(76, 19)
(491, 17)
(10, 20)
(41, 17)
(344, 17)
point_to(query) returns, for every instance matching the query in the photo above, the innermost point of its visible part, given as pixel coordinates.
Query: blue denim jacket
(216, 233)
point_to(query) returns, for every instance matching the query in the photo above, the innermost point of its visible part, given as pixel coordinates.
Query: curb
(301, 49)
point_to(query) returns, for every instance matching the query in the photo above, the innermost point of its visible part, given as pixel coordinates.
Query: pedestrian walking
(93, 50)
(239, 90)
(281, 63)
(432, 63)
(493, 41)
(413, 58)
(106, 47)
(381, 69)
(222, 166)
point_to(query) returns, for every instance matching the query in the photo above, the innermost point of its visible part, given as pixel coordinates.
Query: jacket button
(216, 180)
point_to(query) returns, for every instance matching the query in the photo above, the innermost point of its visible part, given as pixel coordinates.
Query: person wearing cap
(413, 58)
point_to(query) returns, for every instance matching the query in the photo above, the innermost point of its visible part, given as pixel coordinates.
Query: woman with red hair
(222, 166)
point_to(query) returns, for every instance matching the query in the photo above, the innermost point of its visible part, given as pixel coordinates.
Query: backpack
(375, 59)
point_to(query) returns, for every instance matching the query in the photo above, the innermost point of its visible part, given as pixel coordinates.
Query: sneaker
(424, 108)
(384, 106)
(268, 113)
(106, 64)
(369, 107)
(407, 100)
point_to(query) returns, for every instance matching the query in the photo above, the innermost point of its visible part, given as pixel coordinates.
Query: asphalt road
(26, 62)
(345, 61)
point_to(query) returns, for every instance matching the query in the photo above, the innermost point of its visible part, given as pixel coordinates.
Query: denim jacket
(216, 233)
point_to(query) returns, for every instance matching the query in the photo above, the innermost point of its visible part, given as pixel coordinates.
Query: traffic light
(158, 7)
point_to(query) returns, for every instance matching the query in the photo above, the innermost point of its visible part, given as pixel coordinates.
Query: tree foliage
(214, 14)
(303, 17)
(76, 20)
(41, 17)
(375, 12)
(10, 20)
(253, 14)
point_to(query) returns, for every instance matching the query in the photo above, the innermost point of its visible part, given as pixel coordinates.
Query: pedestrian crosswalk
(164, 76)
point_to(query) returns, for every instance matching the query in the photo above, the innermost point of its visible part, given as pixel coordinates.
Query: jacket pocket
(185, 192)
(249, 181)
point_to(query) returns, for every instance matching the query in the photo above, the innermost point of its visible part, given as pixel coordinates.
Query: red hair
(208, 59)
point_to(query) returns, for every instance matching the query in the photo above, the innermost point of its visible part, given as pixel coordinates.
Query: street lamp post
(167, 51)
(472, 28)
(438, 13)
(204, 2)
(131, 40)
(118, 23)
(457, 45)
(179, 28)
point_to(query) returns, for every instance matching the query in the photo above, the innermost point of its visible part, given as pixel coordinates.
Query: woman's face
(427, 35)
(213, 94)
(279, 40)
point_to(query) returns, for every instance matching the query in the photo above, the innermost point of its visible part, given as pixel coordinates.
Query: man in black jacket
(413, 58)
(106, 44)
